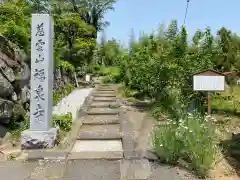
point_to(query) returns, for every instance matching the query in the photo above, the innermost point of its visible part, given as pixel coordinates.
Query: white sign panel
(41, 72)
(208, 83)
(87, 77)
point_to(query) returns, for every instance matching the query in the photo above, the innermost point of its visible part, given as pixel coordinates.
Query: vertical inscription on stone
(41, 69)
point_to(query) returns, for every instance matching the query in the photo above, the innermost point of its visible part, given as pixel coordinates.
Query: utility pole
(186, 12)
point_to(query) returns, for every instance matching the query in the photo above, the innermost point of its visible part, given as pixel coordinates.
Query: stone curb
(63, 149)
(129, 144)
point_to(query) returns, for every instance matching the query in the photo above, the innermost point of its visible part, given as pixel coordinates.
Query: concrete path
(100, 135)
(106, 136)
(104, 150)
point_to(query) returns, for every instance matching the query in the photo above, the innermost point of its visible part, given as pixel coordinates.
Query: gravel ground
(72, 103)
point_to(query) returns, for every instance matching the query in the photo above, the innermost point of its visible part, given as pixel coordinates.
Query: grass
(228, 101)
(127, 93)
(194, 138)
(112, 74)
(227, 121)
(191, 139)
(64, 122)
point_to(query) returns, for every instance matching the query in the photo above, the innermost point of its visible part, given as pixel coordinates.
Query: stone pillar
(41, 134)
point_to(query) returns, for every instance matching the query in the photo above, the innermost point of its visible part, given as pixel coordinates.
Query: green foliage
(166, 145)
(61, 92)
(75, 38)
(64, 122)
(16, 132)
(126, 92)
(112, 75)
(192, 138)
(75, 35)
(15, 23)
(160, 67)
(66, 66)
(92, 11)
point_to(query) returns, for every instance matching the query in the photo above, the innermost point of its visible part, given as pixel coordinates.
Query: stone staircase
(105, 139)
(100, 136)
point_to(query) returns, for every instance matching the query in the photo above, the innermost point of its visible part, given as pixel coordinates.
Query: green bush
(61, 92)
(64, 122)
(94, 69)
(112, 75)
(199, 140)
(127, 92)
(193, 138)
(166, 144)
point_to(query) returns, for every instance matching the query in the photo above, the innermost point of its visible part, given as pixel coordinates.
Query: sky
(146, 15)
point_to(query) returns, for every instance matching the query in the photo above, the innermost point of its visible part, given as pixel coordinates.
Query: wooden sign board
(209, 80)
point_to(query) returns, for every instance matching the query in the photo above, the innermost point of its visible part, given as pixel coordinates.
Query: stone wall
(15, 82)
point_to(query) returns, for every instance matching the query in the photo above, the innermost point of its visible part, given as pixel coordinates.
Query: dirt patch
(223, 171)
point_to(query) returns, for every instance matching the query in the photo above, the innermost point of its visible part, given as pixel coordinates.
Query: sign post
(41, 134)
(209, 103)
(210, 81)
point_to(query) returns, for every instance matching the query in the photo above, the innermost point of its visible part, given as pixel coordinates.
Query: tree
(197, 37)
(15, 23)
(40, 6)
(226, 56)
(92, 12)
(172, 30)
(72, 28)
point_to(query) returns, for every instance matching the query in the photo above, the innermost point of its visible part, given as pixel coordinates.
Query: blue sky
(146, 15)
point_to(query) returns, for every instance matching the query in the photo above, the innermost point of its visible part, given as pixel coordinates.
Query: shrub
(61, 92)
(192, 138)
(199, 140)
(64, 122)
(127, 92)
(112, 75)
(94, 69)
(166, 144)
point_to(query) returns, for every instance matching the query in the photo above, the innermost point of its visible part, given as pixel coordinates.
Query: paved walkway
(104, 150)
(101, 134)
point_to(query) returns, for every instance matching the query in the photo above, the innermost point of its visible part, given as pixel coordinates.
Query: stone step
(135, 169)
(104, 104)
(105, 99)
(103, 119)
(99, 94)
(97, 149)
(100, 132)
(102, 111)
(105, 87)
(105, 90)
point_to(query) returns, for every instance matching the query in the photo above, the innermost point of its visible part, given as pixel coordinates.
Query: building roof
(211, 71)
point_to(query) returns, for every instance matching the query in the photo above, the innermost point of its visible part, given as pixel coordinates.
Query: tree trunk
(70, 46)
(75, 76)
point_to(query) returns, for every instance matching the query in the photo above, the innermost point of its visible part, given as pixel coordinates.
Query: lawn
(228, 101)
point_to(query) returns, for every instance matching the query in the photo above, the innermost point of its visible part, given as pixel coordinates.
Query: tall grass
(191, 138)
